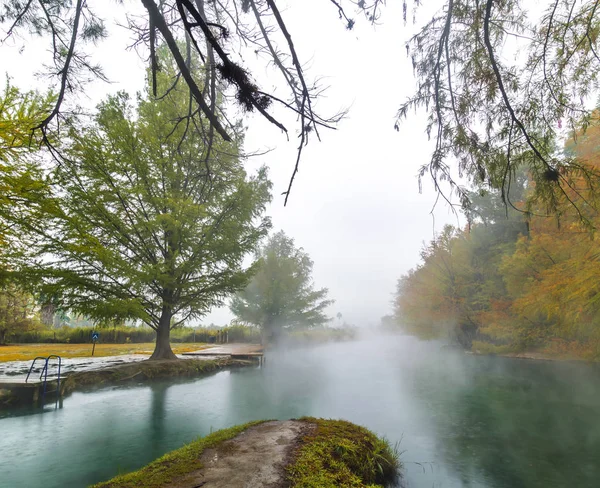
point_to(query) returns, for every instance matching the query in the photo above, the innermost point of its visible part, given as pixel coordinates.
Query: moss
(174, 464)
(146, 371)
(340, 454)
(334, 453)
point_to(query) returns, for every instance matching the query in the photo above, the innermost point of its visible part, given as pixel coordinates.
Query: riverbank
(553, 352)
(19, 393)
(308, 453)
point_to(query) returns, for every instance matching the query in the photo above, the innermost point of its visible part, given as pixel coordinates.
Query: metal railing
(44, 373)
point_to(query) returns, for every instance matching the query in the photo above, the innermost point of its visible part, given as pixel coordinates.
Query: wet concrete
(16, 371)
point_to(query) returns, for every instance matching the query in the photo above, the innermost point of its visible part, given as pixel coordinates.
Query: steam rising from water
(461, 420)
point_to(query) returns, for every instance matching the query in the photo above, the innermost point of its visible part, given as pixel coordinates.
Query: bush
(124, 334)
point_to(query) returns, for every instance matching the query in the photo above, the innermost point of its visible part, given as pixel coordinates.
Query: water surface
(462, 421)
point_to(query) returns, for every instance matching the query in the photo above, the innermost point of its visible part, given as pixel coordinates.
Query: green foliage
(16, 313)
(135, 335)
(176, 463)
(22, 187)
(339, 453)
(336, 454)
(149, 218)
(19, 114)
(281, 293)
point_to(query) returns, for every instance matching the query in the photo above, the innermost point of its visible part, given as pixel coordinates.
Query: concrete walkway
(16, 371)
(256, 458)
(227, 350)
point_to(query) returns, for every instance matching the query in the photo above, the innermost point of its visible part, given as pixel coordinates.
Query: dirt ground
(254, 459)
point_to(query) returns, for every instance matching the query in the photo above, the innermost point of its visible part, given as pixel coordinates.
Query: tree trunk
(2, 336)
(162, 350)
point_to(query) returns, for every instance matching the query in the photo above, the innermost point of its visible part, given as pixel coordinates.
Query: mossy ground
(174, 464)
(145, 371)
(341, 454)
(332, 454)
(26, 352)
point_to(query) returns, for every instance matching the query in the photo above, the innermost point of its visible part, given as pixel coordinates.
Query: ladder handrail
(44, 373)
(33, 364)
(46, 377)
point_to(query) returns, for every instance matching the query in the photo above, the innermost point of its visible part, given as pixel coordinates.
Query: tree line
(514, 278)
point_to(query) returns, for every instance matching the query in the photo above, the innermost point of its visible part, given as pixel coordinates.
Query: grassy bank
(555, 350)
(176, 463)
(339, 453)
(332, 454)
(19, 394)
(146, 371)
(26, 352)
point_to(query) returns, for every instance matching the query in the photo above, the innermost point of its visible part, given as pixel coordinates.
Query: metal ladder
(44, 373)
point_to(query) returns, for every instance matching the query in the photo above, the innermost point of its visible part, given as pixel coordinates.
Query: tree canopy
(145, 219)
(281, 293)
(16, 311)
(19, 112)
(499, 80)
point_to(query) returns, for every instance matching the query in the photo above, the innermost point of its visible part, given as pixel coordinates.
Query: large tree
(490, 110)
(148, 220)
(281, 294)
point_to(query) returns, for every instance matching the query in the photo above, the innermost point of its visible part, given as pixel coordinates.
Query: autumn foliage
(515, 281)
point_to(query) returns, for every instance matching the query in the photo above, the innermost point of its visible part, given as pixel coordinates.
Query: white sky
(355, 206)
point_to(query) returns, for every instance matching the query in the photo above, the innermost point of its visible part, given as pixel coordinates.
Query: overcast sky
(355, 206)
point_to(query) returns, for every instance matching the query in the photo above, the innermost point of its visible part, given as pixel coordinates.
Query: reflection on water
(462, 421)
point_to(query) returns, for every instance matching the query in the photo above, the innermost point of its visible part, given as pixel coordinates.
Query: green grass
(334, 454)
(174, 464)
(341, 454)
(26, 352)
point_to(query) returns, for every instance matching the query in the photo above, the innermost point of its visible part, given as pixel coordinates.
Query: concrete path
(227, 349)
(16, 371)
(256, 458)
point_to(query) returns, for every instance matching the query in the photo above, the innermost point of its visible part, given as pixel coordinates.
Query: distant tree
(388, 323)
(281, 294)
(149, 221)
(339, 317)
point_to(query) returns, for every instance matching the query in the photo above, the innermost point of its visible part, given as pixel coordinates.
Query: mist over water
(460, 420)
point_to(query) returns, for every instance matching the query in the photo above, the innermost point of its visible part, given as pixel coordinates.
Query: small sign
(95, 336)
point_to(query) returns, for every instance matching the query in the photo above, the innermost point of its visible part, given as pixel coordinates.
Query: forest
(514, 278)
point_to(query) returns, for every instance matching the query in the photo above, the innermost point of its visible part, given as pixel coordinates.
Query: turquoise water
(462, 421)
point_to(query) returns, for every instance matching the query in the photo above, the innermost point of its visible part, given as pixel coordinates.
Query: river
(459, 420)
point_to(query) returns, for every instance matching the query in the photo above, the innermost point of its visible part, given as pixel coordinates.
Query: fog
(458, 420)
(355, 206)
